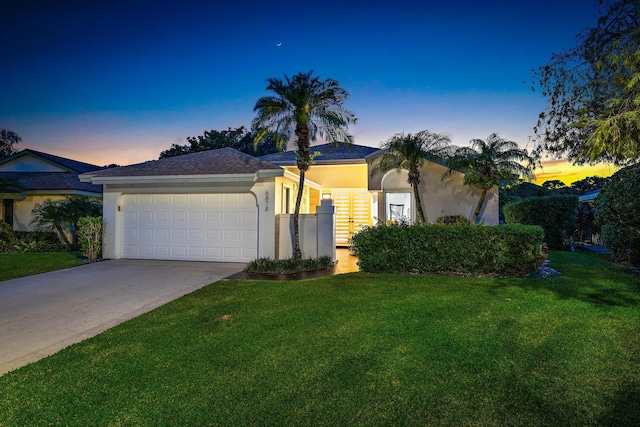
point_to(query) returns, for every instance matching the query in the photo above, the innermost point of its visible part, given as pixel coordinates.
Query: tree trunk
(303, 161)
(62, 236)
(297, 252)
(416, 196)
(483, 196)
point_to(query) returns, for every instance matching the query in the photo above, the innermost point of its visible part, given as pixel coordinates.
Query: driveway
(42, 314)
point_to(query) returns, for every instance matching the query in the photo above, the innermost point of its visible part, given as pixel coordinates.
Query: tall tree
(239, 138)
(410, 151)
(303, 108)
(593, 91)
(494, 162)
(588, 184)
(7, 139)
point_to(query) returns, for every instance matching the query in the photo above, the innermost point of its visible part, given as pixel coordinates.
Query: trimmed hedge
(465, 249)
(557, 215)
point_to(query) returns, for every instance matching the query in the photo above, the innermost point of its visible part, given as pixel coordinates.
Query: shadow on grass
(624, 408)
(587, 277)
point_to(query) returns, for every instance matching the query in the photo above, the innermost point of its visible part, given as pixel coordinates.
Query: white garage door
(194, 227)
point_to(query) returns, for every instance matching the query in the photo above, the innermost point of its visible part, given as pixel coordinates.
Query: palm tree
(409, 152)
(490, 163)
(302, 109)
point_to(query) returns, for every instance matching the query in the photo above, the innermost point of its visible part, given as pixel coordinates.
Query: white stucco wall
(442, 197)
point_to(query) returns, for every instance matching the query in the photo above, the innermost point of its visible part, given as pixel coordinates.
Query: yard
(358, 349)
(17, 265)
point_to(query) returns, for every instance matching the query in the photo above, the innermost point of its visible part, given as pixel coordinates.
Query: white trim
(209, 178)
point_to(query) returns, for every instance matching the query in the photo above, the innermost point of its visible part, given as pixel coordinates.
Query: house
(360, 199)
(224, 205)
(31, 177)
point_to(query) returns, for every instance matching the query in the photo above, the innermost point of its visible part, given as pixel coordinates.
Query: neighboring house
(224, 205)
(34, 177)
(589, 197)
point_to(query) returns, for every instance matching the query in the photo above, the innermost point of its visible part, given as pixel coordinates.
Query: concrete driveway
(42, 314)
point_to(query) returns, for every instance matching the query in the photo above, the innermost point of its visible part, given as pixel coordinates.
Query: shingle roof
(328, 153)
(223, 161)
(33, 181)
(72, 165)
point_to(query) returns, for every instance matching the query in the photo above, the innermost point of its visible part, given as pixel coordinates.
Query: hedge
(557, 215)
(465, 249)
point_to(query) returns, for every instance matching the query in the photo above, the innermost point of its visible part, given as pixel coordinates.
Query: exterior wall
(22, 210)
(441, 197)
(336, 176)
(264, 192)
(317, 233)
(28, 163)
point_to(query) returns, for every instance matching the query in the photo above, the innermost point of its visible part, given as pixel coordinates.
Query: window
(398, 206)
(286, 199)
(7, 205)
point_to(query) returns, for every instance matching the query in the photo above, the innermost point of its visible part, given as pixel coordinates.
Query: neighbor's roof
(223, 161)
(49, 181)
(329, 153)
(69, 164)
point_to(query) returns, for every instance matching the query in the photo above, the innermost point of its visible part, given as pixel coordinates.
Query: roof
(590, 196)
(223, 161)
(49, 181)
(69, 164)
(329, 153)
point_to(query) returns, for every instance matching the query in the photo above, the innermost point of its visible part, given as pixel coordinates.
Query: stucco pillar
(326, 229)
(111, 224)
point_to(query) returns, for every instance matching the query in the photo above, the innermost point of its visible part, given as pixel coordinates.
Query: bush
(470, 249)
(90, 236)
(618, 212)
(288, 266)
(7, 237)
(453, 220)
(557, 215)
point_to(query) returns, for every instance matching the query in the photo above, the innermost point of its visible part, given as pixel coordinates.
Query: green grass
(358, 349)
(13, 266)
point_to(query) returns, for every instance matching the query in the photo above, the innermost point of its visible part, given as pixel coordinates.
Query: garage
(190, 227)
(215, 205)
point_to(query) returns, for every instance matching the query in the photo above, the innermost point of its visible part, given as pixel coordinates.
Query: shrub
(424, 248)
(618, 212)
(289, 265)
(557, 215)
(7, 237)
(453, 220)
(90, 236)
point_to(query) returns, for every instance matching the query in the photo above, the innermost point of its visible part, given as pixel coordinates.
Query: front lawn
(13, 266)
(358, 349)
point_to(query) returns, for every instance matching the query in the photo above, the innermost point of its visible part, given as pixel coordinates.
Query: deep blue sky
(120, 81)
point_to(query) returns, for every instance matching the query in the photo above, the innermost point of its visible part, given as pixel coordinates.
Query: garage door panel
(213, 227)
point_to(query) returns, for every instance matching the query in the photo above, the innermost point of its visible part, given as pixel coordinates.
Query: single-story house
(224, 205)
(29, 177)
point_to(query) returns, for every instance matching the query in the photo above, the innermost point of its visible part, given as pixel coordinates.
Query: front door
(353, 212)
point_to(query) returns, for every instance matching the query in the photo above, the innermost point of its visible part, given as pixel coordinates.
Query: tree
(410, 151)
(7, 139)
(494, 162)
(241, 139)
(616, 211)
(593, 91)
(554, 185)
(63, 215)
(588, 184)
(302, 109)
